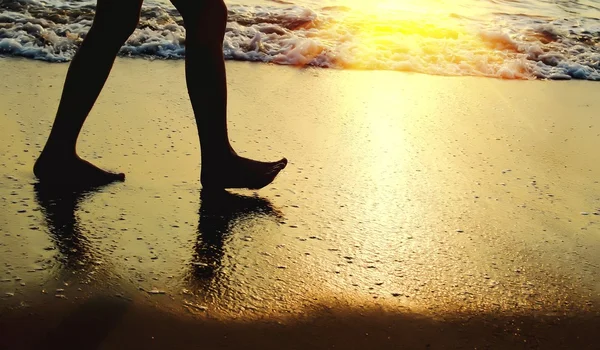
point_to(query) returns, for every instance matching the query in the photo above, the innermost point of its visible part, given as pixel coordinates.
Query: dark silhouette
(86, 326)
(220, 211)
(59, 207)
(114, 22)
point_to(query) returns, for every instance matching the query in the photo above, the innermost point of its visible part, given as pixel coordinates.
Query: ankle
(53, 159)
(217, 158)
(58, 151)
(59, 144)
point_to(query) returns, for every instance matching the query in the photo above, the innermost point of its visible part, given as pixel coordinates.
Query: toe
(279, 165)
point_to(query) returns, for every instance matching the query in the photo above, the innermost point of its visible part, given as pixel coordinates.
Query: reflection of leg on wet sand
(220, 212)
(59, 209)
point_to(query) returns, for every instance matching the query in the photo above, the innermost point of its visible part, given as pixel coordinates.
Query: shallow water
(504, 39)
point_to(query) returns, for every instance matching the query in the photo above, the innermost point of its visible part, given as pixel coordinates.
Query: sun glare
(422, 7)
(415, 35)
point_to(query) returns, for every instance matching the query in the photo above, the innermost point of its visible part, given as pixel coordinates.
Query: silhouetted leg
(205, 23)
(114, 22)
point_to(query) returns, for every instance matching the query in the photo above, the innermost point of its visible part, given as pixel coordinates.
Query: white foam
(509, 47)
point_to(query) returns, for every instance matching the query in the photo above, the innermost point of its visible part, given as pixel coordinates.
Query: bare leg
(59, 163)
(206, 81)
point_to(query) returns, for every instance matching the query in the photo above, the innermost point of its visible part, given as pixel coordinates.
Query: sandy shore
(416, 210)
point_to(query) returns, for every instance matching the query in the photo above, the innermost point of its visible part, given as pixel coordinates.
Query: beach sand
(416, 211)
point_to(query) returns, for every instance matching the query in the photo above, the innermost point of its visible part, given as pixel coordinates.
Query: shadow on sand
(93, 324)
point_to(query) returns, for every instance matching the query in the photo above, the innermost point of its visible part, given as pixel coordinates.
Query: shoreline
(317, 68)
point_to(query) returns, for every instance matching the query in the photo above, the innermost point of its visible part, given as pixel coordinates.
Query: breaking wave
(503, 45)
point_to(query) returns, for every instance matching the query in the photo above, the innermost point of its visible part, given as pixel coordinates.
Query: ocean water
(510, 39)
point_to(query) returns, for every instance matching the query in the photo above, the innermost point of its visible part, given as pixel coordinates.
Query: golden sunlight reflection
(386, 152)
(425, 7)
(420, 36)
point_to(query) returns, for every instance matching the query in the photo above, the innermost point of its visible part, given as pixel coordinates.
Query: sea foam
(503, 46)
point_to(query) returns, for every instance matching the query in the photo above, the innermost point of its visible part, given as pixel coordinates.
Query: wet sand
(416, 211)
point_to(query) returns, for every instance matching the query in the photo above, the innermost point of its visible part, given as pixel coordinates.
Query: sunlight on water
(424, 7)
(426, 36)
(510, 39)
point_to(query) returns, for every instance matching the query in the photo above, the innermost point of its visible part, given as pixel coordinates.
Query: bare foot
(72, 171)
(240, 172)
